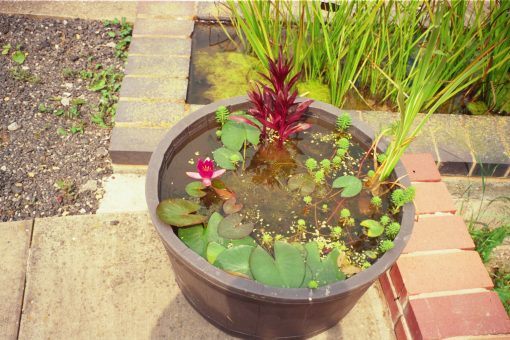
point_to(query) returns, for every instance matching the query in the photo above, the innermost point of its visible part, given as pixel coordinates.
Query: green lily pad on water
(179, 212)
(195, 189)
(232, 227)
(374, 228)
(351, 185)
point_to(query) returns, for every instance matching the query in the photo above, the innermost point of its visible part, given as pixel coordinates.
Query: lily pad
(194, 238)
(233, 228)
(302, 182)
(213, 250)
(235, 260)
(374, 228)
(234, 134)
(230, 206)
(179, 212)
(247, 241)
(322, 271)
(351, 185)
(223, 157)
(211, 232)
(287, 269)
(195, 189)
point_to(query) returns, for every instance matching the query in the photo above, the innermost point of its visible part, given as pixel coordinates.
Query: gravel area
(52, 155)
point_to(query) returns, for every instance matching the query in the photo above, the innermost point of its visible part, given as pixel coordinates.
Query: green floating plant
(343, 122)
(351, 185)
(400, 197)
(386, 245)
(392, 230)
(304, 183)
(179, 212)
(222, 114)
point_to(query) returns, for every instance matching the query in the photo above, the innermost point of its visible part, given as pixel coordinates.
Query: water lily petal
(194, 175)
(218, 173)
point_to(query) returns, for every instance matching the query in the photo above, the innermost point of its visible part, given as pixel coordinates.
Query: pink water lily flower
(205, 171)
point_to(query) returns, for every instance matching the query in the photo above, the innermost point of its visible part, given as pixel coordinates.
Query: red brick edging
(439, 287)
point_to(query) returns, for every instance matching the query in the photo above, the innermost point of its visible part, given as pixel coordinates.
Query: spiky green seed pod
(343, 122)
(371, 173)
(392, 230)
(366, 265)
(325, 208)
(343, 143)
(326, 164)
(313, 284)
(409, 194)
(345, 213)
(337, 160)
(307, 199)
(386, 245)
(301, 222)
(385, 220)
(320, 177)
(376, 201)
(398, 197)
(267, 238)
(341, 152)
(278, 237)
(381, 157)
(311, 164)
(336, 232)
(222, 114)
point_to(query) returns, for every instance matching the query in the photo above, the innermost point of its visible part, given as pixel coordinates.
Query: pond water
(262, 188)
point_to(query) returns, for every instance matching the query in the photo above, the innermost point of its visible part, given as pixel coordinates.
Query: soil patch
(53, 142)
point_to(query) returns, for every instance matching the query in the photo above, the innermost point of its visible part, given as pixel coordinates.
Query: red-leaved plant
(274, 104)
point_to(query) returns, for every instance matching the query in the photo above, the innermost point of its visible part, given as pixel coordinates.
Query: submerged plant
(275, 104)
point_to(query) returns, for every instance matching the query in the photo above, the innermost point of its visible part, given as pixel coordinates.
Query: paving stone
(175, 67)
(166, 9)
(400, 330)
(457, 315)
(173, 89)
(442, 272)
(433, 197)
(14, 244)
(132, 145)
(149, 113)
(160, 46)
(107, 276)
(174, 28)
(209, 10)
(438, 233)
(421, 167)
(104, 277)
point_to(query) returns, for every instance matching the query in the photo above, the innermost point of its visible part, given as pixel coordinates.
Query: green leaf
(247, 241)
(323, 271)
(97, 85)
(222, 157)
(211, 232)
(61, 131)
(179, 212)
(235, 260)
(194, 189)
(111, 34)
(232, 227)
(290, 264)
(375, 228)
(194, 238)
(302, 182)
(263, 268)
(213, 250)
(19, 57)
(234, 134)
(351, 185)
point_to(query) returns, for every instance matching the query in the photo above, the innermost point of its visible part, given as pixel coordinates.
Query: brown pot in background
(243, 307)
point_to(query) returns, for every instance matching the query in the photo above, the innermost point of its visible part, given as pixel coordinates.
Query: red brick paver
(439, 232)
(457, 315)
(443, 272)
(421, 167)
(432, 198)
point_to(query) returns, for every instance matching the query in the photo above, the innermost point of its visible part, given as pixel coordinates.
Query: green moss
(314, 89)
(229, 73)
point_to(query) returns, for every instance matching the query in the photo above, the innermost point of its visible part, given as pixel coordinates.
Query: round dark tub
(243, 307)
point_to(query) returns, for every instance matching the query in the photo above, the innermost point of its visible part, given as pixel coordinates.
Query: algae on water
(229, 74)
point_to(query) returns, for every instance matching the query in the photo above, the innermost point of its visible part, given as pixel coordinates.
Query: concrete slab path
(107, 276)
